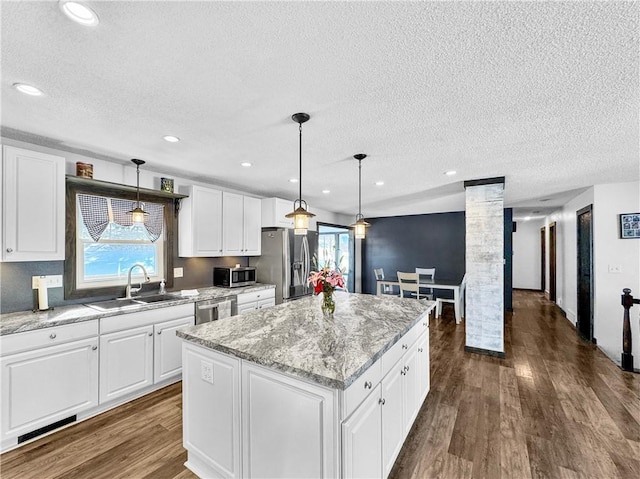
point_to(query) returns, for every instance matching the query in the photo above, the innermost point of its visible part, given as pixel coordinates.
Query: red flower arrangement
(326, 280)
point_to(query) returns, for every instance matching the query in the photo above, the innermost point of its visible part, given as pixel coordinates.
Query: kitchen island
(287, 392)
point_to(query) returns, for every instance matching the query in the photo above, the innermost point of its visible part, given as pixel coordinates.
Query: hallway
(555, 408)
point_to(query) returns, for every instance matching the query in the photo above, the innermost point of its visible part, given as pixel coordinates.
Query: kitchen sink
(115, 304)
(154, 298)
(126, 303)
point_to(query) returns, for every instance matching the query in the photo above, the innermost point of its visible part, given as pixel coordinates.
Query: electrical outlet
(615, 268)
(178, 272)
(54, 281)
(206, 371)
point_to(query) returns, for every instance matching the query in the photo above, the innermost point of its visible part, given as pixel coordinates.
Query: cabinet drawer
(144, 318)
(256, 296)
(362, 387)
(13, 343)
(266, 303)
(393, 355)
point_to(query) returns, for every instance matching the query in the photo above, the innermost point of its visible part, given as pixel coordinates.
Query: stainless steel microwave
(234, 277)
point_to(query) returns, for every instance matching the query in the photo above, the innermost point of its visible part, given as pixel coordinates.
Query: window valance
(98, 211)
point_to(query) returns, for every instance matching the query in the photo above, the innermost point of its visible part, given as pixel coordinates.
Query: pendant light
(138, 214)
(360, 225)
(300, 214)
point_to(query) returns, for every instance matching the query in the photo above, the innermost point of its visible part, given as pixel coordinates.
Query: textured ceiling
(543, 93)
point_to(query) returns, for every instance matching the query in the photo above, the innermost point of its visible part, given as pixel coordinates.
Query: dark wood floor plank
(556, 407)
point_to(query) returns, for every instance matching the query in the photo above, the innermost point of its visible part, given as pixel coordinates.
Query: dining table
(454, 285)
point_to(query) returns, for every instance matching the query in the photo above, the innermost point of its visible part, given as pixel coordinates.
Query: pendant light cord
(300, 156)
(359, 187)
(138, 185)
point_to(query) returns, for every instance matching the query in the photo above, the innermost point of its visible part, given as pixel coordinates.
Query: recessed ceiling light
(326, 192)
(27, 89)
(293, 180)
(379, 183)
(171, 138)
(450, 172)
(79, 13)
(246, 164)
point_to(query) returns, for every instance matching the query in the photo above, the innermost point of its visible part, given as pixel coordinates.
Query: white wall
(608, 202)
(526, 255)
(609, 250)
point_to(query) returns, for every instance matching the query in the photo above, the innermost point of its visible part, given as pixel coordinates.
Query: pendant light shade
(360, 226)
(300, 213)
(138, 214)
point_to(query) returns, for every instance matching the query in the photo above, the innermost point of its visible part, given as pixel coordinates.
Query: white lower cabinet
(46, 385)
(362, 439)
(126, 362)
(138, 350)
(264, 298)
(167, 349)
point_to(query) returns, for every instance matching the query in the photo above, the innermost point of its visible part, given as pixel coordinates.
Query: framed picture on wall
(630, 226)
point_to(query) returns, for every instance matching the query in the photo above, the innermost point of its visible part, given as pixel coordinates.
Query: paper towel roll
(43, 297)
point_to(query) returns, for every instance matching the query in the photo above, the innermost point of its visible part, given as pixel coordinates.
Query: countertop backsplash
(15, 281)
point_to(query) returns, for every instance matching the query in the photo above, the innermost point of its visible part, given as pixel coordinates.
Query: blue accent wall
(402, 243)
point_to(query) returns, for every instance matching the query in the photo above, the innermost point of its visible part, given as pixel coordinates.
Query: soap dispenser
(162, 290)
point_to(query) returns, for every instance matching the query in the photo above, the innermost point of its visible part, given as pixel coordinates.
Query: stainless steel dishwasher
(214, 309)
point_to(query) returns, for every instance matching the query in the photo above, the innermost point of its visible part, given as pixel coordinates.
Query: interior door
(543, 258)
(552, 262)
(585, 272)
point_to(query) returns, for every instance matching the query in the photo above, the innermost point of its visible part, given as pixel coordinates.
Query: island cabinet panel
(289, 430)
(362, 439)
(392, 417)
(33, 195)
(126, 362)
(46, 385)
(424, 379)
(211, 412)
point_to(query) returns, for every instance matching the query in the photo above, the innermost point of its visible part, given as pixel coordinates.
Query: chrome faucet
(129, 290)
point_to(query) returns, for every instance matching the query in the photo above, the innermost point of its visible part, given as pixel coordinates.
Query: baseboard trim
(486, 352)
(529, 289)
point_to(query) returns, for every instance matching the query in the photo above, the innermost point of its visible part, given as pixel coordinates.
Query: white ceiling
(543, 93)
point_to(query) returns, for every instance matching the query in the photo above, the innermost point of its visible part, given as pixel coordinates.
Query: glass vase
(328, 304)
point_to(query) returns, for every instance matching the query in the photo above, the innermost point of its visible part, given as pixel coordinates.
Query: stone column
(484, 317)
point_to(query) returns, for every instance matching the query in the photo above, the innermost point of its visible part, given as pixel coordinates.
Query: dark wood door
(543, 258)
(552, 262)
(585, 272)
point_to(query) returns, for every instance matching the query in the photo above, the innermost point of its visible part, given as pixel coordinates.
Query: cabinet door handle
(406, 368)
(402, 372)
(420, 350)
(93, 348)
(381, 401)
(150, 334)
(424, 324)
(9, 250)
(52, 336)
(368, 385)
(159, 332)
(404, 346)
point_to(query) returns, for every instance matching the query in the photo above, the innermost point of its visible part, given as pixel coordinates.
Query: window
(334, 250)
(108, 243)
(102, 243)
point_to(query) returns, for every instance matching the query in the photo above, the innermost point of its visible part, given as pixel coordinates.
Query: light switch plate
(178, 272)
(206, 371)
(53, 281)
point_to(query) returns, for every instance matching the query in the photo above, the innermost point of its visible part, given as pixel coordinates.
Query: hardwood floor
(555, 408)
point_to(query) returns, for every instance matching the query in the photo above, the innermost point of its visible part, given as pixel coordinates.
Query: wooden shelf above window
(107, 187)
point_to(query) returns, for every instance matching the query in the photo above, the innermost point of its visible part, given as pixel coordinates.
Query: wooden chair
(386, 288)
(440, 301)
(409, 283)
(428, 274)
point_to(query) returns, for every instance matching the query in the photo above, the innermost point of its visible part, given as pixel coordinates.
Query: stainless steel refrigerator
(286, 261)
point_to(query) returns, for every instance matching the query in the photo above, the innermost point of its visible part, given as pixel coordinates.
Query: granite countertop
(296, 338)
(22, 321)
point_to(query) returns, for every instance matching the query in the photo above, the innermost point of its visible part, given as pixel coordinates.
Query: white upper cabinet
(33, 196)
(242, 224)
(252, 222)
(274, 211)
(200, 223)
